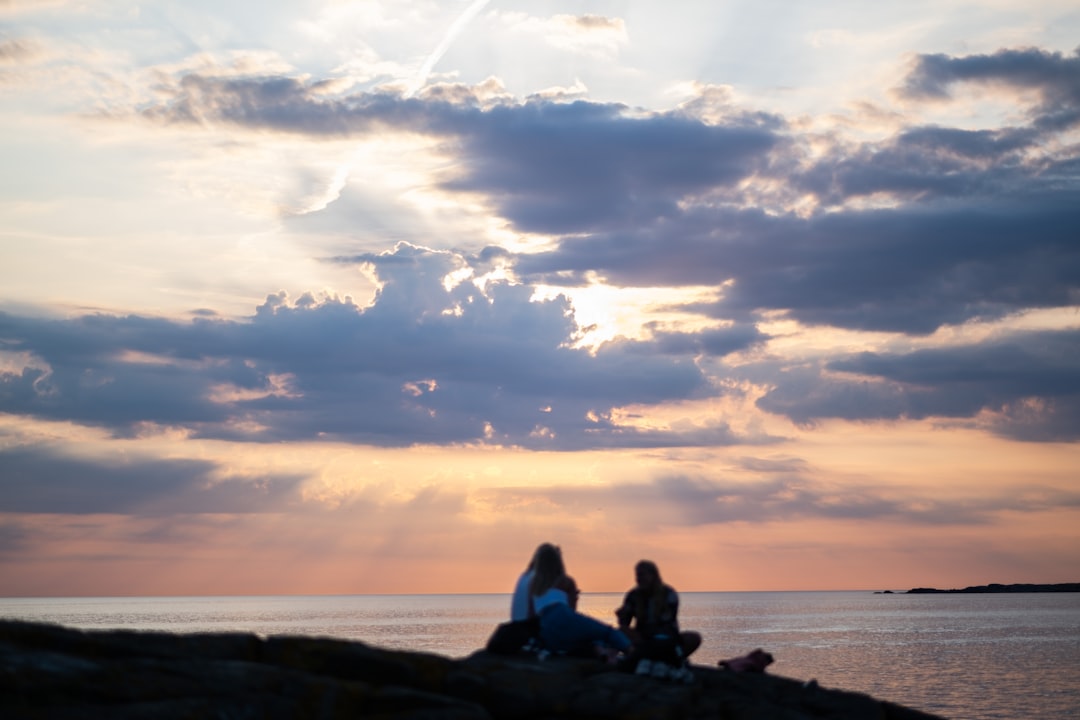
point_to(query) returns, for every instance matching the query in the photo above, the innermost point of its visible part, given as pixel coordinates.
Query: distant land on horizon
(999, 588)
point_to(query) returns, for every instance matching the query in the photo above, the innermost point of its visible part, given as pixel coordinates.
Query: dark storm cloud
(420, 365)
(1029, 383)
(680, 501)
(38, 479)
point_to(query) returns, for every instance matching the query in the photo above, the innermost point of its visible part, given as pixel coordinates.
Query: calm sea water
(967, 657)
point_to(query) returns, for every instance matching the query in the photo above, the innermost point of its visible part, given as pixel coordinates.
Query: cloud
(933, 226)
(585, 167)
(42, 479)
(931, 163)
(421, 364)
(551, 167)
(595, 35)
(929, 227)
(452, 32)
(785, 465)
(1025, 386)
(1053, 76)
(17, 50)
(14, 539)
(908, 269)
(688, 501)
(716, 342)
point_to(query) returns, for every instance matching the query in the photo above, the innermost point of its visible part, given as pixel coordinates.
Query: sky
(330, 297)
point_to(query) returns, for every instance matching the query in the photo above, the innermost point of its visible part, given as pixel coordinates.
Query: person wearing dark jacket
(649, 616)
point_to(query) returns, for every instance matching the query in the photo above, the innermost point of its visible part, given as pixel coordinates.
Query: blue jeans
(565, 630)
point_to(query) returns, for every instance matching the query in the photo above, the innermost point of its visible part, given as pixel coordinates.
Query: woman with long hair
(521, 607)
(562, 628)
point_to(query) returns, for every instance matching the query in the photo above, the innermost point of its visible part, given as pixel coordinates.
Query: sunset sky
(375, 296)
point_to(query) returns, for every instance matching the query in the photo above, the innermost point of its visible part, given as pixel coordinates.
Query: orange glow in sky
(374, 297)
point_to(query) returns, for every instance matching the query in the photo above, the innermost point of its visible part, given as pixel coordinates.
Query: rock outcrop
(57, 673)
(999, 588)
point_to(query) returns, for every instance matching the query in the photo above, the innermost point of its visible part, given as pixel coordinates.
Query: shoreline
(53, 671)
(999, 588)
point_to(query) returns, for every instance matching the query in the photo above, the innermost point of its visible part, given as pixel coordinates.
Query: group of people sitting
(647, 639)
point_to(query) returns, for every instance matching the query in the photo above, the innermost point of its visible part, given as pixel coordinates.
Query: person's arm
(671, 615)
(625, 613)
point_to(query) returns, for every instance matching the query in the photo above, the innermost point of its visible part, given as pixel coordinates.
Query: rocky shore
(57, 673)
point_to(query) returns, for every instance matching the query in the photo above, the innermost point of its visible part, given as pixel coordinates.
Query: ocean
(966, 657)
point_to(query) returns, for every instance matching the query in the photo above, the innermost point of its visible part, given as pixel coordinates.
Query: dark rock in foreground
(57, 673)
(998, 588)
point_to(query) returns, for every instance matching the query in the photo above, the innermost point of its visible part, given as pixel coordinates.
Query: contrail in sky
(451, 34)
(341, 177)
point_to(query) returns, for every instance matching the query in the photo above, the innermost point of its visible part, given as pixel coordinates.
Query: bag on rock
(511, 637)
(754, 661)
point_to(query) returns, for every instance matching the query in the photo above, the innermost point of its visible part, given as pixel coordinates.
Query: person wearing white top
(520, 604)
(562, 628)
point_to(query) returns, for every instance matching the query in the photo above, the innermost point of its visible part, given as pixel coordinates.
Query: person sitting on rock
(649, 617)
(520, 604)
(562, 628)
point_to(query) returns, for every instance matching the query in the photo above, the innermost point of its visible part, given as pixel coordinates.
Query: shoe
(644, 667)
(660, 670)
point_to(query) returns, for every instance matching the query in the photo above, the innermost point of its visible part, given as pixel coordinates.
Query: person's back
(548, 598)
(520, 604)
(521, 607)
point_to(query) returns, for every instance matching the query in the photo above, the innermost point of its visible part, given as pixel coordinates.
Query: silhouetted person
(521, 604)
(649, 615)
(562, 628)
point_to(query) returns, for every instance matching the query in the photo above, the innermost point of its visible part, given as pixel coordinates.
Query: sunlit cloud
(592, 35)
(375, 296)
